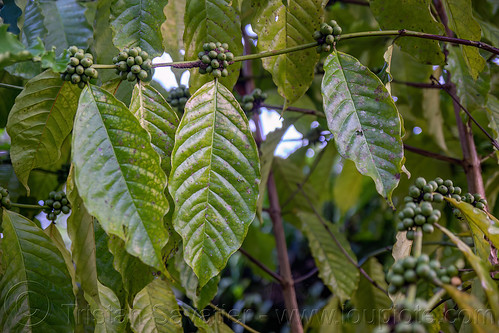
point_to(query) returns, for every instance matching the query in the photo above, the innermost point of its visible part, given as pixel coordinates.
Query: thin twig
(456, 100)
(267, 270)
(19, 205)
(448, 298)
(342, 249)
(421, 84)
(6, 85)
(306, 276)
(433, 155)
(294, 109)
(417, 34)
(228, 316)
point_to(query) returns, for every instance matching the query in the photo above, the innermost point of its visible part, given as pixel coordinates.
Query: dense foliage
(126, 207)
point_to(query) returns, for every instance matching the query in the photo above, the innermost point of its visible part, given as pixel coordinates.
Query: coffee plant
(128, 207)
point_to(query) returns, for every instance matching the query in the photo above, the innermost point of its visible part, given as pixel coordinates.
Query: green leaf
(83, 249)
(104, 51)
(412, 15)
(347, 187)
(134, 273)
(340, 275)
(138, 23)
(368, 299)
(280, 26)
(461, 21)
(40, 121)
(211, 21)
(481, 268)
(11, 49)
(107, 312)
(364, 120)
(33, 24)
(327, 319)
(472, 92)
(158, 118)
(487, 223)
(172, 29)
(118, 174)
(35, 291)
(200, 295)
(481, 320)
(155, 309)
(214, 179)
(493, 116)
(66, 24)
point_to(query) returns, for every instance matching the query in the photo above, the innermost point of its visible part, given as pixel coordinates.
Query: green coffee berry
(79, 55)
(419, 220)
(420, 182)
(428, 228)
(410, 235)
(414, 192)
(74, 61)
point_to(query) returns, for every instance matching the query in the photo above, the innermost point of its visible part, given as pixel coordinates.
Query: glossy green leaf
(118, 174)
(472, 92)
(155, 309)
(66, 24)
(340, 275)
(214, 179)
(33, 27)
(138, 23)
(40, 121)
(481, 321)
(172, 29)
(158, 118)
(412, 15)
(364, 120)
(281, 25)
(368, 299)
(462, 22)
(211, 21)
(481, 268)
(477, 217)
(35, 291)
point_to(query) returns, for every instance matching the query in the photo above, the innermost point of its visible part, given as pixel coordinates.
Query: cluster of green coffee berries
(410, 270)
(434, 190)
(253, 100)
(215, 59)
(418, 215)
(475, 200)
(133, 64)
(412, 317)
(177, 97)
(56, 203)
(327, 35)
(5, 198)
(79, 70)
